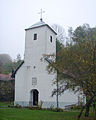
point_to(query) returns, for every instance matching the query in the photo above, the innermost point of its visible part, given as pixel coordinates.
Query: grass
(5, 104)
(26, 114)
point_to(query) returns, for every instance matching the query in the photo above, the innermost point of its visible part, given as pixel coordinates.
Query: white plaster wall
(34, 50)
(20, 84)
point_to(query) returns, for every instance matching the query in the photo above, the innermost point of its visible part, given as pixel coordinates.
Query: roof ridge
(40, 24)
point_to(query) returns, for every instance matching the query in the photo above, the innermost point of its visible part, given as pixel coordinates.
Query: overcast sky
(16, 15)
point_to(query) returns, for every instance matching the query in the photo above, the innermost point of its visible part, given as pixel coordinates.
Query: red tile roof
(5, 77)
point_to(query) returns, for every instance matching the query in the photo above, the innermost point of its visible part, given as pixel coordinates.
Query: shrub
(18, 106)
(76, 107)
(51, 107)
(40, 106)
(58, 110)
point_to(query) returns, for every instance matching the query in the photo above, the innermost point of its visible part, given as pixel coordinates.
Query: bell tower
(33, 83)
(40, 39)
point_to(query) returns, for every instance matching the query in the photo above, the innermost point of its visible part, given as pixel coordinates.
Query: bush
(51, 107)
(76, 107)
(40, 106)
(58, 110)
(18, 106)
(34, 108)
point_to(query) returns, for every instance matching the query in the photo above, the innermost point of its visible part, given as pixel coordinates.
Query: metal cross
(41, 12)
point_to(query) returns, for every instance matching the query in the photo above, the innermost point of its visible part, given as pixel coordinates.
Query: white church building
(33, 83)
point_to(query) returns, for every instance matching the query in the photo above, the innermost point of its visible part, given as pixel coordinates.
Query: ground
(26, 114)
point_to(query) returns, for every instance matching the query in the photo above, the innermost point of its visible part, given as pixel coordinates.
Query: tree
(81, 33)
(8, 65)
(58, 46)
(0, 66)
(18, 58)
(5, 61)
(5, 58)
(76, 65)
(61, 37)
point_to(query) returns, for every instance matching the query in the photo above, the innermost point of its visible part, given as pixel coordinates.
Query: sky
(17, 15)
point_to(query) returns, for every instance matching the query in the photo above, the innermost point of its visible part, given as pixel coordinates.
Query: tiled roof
(5, 77)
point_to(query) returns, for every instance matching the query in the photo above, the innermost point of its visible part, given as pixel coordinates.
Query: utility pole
(57, 91)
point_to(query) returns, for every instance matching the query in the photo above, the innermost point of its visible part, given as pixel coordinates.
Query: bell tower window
(35, 36)
(50, 38)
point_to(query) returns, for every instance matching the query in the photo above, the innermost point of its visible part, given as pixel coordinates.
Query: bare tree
(61, 36)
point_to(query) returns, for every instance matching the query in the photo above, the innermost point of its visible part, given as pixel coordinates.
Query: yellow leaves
(83, 61)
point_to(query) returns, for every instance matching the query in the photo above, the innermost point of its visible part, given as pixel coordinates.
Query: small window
(34, 81)
(50, 38)
(35, 36)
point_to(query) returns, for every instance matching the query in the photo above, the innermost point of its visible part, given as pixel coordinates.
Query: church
(33, 83)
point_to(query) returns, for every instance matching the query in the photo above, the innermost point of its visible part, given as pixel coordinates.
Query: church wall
(43, 82)
(34, 48)
(35, 67)
(20, 84)
(51, 46)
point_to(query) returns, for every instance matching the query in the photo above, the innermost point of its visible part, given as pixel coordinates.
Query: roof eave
(13, 74)
(41, 26)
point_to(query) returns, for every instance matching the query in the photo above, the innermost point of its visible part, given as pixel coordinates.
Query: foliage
(58, 110)
(7, 90)
(18, 106)
(5, 58)
(7, 66)
(51, 107)
(34, 108)
(82, 33)
(76, 64)
(58, 46)
(76, 107)
(7, 87)
(40, 105)
(61, 37)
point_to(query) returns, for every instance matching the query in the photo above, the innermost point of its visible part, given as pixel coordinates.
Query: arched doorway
(34, 97)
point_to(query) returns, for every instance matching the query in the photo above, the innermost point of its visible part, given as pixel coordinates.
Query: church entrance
(34, 97)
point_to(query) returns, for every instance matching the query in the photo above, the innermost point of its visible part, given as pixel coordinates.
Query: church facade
(33, 83)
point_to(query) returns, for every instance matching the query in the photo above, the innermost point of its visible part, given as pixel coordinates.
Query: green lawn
(5, 104)
(26, 114)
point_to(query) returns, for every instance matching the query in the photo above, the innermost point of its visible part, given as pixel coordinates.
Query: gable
(40, 24)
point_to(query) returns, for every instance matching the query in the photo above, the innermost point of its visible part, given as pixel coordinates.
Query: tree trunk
(87, 108)
(81, 112)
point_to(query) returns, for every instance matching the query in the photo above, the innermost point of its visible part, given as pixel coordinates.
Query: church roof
(14, 71)
(40, 24)
(5, 77)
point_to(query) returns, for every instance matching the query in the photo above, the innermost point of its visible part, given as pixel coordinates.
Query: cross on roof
(41, 12)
